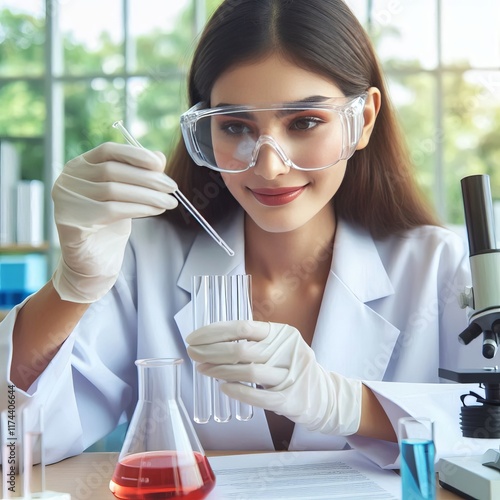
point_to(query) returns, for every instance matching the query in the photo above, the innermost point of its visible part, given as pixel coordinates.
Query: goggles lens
(306, 136)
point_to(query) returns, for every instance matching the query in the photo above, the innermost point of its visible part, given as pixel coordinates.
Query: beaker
(161, 456)
(416, 443)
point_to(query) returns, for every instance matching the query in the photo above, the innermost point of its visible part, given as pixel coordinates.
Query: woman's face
(276, 197)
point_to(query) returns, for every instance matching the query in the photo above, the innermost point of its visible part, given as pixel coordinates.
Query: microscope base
(468, 476)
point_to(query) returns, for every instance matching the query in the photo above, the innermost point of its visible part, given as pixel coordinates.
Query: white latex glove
(277, 358)
(95, 198)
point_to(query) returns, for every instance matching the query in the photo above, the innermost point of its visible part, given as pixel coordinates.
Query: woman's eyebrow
(312, 98)
(248, 115)
(309, 99)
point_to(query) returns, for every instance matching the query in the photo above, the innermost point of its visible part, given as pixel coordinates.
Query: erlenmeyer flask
(161, 456)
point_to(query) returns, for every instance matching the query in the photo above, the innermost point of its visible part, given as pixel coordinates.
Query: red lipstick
(274, 197)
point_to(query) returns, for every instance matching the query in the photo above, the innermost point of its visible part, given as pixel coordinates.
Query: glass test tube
(208, 307)
(241, 301)
(218, 298)
(202, 385)
(23, 464)
(219, 308)
(34, 477)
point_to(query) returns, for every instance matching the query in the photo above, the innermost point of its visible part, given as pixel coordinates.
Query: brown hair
(378, 191)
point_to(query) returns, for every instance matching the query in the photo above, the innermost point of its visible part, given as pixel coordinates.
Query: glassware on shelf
(219, 298)
(161, 456)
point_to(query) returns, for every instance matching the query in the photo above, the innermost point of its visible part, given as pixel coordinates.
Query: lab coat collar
(356, 262)
(346, 321)
(365, 276)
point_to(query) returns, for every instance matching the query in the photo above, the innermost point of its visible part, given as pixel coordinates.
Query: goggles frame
(349, 109)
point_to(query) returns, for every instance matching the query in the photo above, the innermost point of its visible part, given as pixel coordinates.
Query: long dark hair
(378, 191)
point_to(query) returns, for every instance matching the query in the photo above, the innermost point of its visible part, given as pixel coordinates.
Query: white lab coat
(389, 317)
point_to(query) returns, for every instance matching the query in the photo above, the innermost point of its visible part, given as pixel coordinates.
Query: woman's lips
(277, 196)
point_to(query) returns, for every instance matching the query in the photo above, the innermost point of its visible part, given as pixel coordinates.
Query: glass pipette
(187, 204)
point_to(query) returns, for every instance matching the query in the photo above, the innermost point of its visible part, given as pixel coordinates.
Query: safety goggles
(305, 135)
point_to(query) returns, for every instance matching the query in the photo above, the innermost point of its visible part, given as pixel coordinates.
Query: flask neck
(159, 379)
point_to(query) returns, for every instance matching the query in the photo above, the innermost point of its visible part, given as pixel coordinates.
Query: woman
(304, 174)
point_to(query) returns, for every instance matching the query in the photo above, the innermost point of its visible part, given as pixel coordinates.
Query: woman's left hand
(276, 358)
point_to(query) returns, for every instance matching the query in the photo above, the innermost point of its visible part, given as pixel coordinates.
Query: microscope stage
(468, 475)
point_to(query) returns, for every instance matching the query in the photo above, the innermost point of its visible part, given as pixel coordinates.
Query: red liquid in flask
(159, 474)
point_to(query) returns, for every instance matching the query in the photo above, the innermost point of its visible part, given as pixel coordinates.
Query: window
(442, 60)
(68, 69)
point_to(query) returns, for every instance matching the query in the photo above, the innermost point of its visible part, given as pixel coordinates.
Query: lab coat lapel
(346, 323)
(206, 257)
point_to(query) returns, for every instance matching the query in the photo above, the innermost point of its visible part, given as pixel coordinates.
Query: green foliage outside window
(99, 92)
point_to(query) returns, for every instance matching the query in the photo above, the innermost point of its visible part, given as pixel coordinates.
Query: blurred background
(70, 68)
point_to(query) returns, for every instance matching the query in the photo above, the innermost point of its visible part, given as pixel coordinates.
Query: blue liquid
(417, 469)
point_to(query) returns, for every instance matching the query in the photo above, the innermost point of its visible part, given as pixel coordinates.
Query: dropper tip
(228, 249)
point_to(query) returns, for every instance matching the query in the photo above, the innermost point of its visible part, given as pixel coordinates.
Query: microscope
(479, 476)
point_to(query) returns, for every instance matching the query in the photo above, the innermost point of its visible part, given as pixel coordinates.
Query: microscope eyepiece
(479, 218)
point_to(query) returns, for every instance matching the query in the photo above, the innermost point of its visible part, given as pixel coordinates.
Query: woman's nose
(269, 163)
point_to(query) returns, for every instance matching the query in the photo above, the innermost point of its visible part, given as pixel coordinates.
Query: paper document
(302, 474)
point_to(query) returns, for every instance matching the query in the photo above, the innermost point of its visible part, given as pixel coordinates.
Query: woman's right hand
(95, 198)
